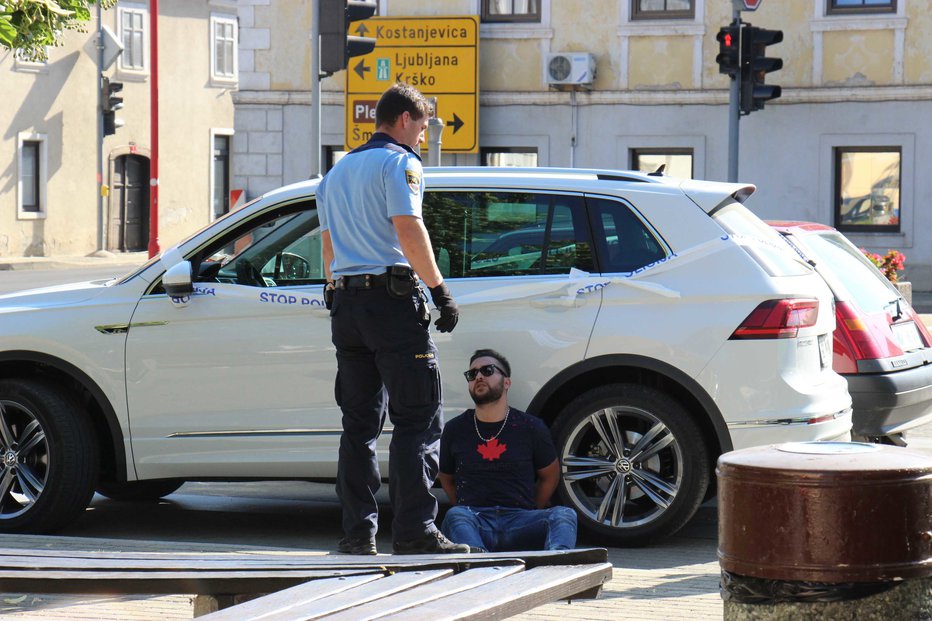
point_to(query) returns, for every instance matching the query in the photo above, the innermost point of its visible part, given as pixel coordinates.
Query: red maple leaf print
(491, 450)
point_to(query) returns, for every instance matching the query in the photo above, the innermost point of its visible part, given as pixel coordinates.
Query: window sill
(230, 83)
(31, 215)
(27, 67)
(658, 28)
(875, 22)
(514, 31)
(128, 75)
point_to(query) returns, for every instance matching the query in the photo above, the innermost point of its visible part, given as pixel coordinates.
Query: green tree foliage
(31, 26)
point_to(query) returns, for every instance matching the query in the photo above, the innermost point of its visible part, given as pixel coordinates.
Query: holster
(400, 282)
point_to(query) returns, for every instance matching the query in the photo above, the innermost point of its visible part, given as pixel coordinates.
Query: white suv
(653, 323)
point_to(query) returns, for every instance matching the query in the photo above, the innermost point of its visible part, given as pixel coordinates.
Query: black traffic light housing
(111, 102)
(337, 46)
(755, 66)
(729, 48)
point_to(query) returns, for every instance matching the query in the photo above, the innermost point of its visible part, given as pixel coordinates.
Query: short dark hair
(398, 99)
(491, 353)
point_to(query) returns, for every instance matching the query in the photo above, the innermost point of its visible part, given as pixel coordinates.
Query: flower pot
(906, 290)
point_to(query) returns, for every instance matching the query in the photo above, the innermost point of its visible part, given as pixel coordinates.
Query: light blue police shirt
(357, 199)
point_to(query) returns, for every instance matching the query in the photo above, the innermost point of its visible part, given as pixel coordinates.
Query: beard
(492, 394)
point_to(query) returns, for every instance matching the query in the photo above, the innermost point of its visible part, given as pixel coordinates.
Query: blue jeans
(503, 529)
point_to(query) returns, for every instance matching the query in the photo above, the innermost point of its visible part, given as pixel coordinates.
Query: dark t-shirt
(501, 472)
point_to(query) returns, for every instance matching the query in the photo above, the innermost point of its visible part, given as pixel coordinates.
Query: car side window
(281, 249)
(623, 241)
(507, 233)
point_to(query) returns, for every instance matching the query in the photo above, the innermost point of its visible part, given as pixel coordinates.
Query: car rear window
(867, 286)
(760, 241)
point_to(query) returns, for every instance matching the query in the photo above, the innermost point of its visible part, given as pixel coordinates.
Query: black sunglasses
(487, 370)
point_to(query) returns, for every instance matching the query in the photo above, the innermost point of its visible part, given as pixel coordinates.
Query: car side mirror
(177, 280)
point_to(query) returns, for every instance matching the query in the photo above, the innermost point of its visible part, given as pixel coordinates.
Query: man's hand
(449, 312)
(329, 288)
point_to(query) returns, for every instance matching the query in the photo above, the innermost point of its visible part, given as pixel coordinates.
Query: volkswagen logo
(623, 466)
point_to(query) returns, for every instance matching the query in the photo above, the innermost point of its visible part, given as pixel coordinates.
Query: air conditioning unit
(570, 69)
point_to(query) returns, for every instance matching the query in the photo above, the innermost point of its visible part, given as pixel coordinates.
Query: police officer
(375, 248)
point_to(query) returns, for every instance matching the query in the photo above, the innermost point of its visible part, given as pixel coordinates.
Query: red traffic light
(728, 38)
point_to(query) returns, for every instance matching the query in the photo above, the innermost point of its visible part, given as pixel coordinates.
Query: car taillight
(922, 327)
(778, 319)
(857, 334)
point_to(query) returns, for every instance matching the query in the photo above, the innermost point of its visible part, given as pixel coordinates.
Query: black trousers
(386, 365)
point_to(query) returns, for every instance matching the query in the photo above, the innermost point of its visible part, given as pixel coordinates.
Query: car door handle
(565, 301)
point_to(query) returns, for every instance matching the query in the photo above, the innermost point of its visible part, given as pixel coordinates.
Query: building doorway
(130, 203)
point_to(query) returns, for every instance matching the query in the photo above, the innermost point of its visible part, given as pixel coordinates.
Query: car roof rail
(620, 177)
(600, 174)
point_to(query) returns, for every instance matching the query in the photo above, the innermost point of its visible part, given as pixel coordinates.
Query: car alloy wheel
(623, 465)
(50, 458)
(25, 459)
(634, 463)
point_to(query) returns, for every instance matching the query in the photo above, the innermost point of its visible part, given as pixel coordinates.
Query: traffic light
(337, 46)
(111, 103)
(729, 41)
(755, 66)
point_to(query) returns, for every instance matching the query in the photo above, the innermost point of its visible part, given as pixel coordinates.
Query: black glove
(449, 312)
(328, 295)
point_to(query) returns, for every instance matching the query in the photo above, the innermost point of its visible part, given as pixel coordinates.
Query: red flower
(890, 263)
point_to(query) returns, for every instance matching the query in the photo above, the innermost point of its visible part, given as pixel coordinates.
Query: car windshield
(868, 288)
(219, 222)
(760, 241)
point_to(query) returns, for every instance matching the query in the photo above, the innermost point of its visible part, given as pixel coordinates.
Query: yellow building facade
(840, 146)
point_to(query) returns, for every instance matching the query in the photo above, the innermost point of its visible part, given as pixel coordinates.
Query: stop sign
(746, 5)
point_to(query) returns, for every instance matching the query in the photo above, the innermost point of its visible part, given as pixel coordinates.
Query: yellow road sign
(437, 55)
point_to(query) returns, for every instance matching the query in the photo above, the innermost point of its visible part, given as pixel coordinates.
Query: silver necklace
(475, 422)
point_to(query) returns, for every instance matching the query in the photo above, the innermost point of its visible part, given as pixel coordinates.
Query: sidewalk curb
(98, 259)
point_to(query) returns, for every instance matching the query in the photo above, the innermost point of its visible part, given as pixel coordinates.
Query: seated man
(499, 467)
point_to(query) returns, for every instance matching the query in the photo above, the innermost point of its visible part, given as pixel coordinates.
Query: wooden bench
(291, 585)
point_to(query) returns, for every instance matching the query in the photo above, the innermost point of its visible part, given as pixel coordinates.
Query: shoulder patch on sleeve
(413, 178)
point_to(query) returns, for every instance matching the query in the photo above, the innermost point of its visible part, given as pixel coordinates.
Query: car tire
(50, 457)
(648, 487)
(138, 491)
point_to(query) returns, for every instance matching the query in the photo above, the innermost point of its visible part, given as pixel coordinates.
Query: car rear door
(517, 262)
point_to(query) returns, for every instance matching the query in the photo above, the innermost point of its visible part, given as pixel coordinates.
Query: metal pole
(101, 216)
(434, 140)
(315, 88)
(734, 112)
(154, 130)
(574, 112)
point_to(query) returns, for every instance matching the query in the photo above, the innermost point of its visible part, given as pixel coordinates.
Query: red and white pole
(154, 130)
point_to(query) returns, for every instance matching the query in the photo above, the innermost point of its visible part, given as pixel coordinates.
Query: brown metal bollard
(825, 530)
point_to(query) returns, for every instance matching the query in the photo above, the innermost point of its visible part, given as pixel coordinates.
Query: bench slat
(294, 605)
(164, 583)
(194, 563)
(292, 596)
(579, 556)
(458, 583)
(511, 595)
